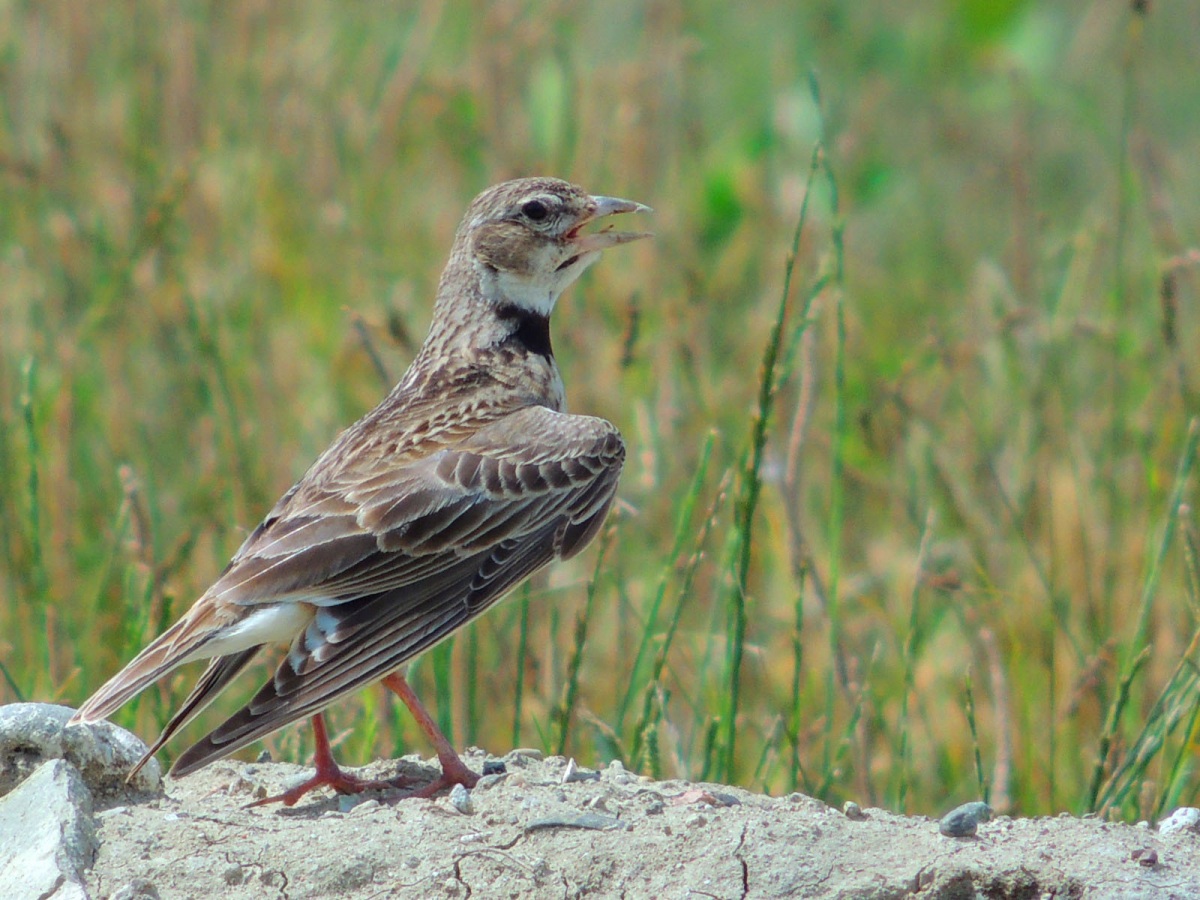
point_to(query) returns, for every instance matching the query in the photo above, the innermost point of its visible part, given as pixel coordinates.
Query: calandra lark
(468, 477)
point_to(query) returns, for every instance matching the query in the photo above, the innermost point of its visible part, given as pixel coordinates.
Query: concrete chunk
(47, 835)
(31, 733)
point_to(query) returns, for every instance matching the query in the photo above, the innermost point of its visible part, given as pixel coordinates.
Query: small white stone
(573, 773)
(296, 780)
(460, 799)
(1186, 818)
(851, 810)
(528, 753)
(138, 889)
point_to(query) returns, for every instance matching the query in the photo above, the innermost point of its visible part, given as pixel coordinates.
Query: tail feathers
(242, 728)
(207, 750)
(267, 711)
(160, 657)
(219, 673)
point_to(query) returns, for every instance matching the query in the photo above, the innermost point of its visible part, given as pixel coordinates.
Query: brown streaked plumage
(468, 477)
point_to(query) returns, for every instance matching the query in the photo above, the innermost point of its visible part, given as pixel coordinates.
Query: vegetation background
(914, 527)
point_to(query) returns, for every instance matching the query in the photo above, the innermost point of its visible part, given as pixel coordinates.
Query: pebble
(573, 773)
(294, 781)
(586, 821)
(460, 799)
(618, 774)
(527, 752)
(963, 821)
(1147, 857)
(489, 781)
(138, 889)
(365, 807)
(1186, 818)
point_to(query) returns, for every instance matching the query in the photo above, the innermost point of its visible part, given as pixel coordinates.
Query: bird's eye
(535, 210)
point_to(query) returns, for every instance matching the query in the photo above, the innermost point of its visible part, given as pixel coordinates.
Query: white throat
(535, 293)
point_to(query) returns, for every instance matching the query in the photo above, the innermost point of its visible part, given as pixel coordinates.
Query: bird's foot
(340, 780)
(454, 771)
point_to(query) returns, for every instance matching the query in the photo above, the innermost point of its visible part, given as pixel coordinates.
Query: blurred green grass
(220, 232)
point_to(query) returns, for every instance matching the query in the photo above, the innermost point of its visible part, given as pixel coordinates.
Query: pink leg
(454, 770)
(329, 773)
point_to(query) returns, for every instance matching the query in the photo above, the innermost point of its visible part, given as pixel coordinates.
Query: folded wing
(397, 558)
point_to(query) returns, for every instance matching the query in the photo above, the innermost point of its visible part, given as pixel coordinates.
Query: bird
(469, 476)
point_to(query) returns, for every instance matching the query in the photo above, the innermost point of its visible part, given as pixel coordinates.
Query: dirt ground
(530, 833)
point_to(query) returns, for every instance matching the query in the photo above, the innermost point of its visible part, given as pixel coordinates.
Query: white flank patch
(268, 625)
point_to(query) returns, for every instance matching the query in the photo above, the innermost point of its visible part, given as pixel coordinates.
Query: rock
(31, 733)
(138, 889)
(460, 799)
(532, 836)
(963, 821)
(1186, 818)
(47, 835)
(573, 773)
(853, 811)
(522, 755)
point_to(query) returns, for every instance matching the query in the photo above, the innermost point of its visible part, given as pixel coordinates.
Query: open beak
(601, 240)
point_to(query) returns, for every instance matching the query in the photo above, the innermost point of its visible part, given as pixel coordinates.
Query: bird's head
(526, 239)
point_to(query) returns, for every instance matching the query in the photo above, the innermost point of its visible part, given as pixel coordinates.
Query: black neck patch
(530, 331)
